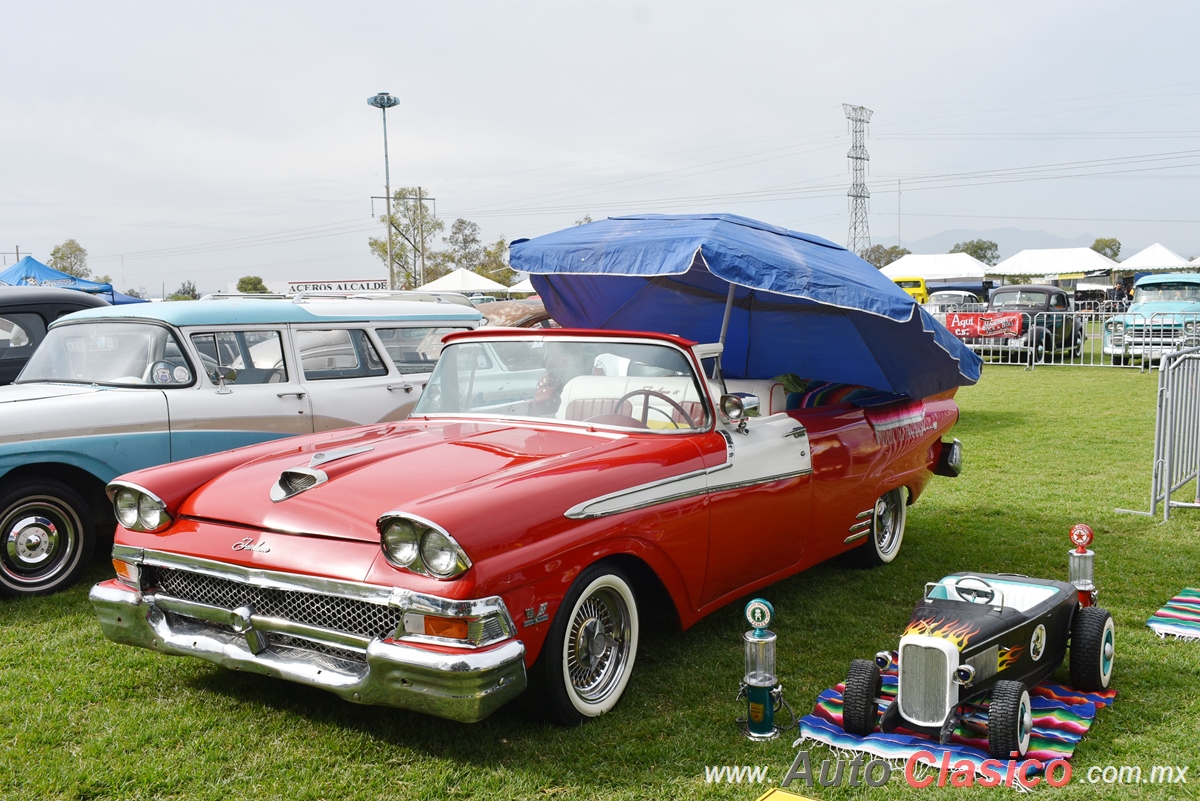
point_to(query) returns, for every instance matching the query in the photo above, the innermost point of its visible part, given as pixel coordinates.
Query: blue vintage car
(1164, 316)
(120, 388)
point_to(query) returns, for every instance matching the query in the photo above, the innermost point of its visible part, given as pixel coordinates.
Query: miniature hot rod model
(980, 635)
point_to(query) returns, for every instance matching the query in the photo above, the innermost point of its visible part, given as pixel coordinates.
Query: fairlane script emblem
(248, 545)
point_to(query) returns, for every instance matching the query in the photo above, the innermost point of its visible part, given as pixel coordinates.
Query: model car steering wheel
(646, 407)
(975, 590)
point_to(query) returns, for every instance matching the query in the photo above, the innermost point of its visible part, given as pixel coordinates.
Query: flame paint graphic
(1007, 657)
(958, 634)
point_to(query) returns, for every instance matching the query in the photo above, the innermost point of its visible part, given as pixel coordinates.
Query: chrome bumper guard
(466, 686)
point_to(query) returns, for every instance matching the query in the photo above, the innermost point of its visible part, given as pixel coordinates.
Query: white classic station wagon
(116, 389)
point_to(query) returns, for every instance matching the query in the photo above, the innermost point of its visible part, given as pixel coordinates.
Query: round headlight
(1118, 327)
(400, 542)
(152, 513)
(438, 553)
(125, 504)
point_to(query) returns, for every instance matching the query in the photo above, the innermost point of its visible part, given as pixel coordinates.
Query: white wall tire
(591, 647)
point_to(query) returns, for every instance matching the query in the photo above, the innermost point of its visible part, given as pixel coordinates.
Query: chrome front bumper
(466, 686)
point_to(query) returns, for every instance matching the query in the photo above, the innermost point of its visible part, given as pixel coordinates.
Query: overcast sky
(208, 141)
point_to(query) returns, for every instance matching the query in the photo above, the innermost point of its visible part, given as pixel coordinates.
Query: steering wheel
(978, 592)
(646, 407)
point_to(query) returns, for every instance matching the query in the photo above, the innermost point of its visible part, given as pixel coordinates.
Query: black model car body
(25, 312)
(1021, 323)
(976, 635)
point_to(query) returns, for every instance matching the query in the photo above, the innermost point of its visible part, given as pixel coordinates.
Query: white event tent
(525, 286)
(937, 267)
(1041, 262)
(1155, 259)
(464, 281)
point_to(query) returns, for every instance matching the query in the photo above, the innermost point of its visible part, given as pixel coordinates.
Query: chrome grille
(924, 678)
(322, 611)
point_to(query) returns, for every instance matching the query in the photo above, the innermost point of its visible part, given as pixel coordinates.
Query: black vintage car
(25, 311)
(1046, 325)
(981, 635)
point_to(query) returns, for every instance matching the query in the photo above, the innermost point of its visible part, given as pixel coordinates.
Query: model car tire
(1093, 639)
(1077, 350)
(1010, 720)
(860, 713)
(590, 649)
(47, 536)
(887, 528)
(1119, 361)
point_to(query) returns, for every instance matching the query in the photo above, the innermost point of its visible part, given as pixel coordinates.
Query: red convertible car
(549, 489)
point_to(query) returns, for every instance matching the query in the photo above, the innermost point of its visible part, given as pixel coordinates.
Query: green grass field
(82, 718)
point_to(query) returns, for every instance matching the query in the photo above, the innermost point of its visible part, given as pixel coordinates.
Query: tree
(414, 228)
(879, 256)
(186, 291)
(465, 247)
(1107, 247)
(102, 279)
(70, 257)
(584, 220)
(140, 292)
(495, 263)
(985, 250)
(251, 284)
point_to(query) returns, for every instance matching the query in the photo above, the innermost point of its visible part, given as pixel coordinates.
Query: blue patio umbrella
(781, 301)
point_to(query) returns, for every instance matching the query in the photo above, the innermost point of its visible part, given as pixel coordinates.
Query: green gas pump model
(763, 693)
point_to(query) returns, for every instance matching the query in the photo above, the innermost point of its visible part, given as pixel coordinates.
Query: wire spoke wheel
(598, 645)
(590, 648)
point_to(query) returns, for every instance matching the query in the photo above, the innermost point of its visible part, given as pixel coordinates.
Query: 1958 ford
(548, 490)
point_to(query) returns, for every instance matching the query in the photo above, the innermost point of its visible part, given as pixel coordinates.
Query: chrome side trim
(584, 511)
(863, 515)
(856, 537)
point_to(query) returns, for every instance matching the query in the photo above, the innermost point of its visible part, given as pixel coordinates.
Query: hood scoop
(295, 480)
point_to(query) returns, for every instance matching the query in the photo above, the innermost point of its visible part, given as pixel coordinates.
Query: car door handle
(296, 392)
(407, 387)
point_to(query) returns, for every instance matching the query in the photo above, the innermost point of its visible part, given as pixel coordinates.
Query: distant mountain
(1009, 240)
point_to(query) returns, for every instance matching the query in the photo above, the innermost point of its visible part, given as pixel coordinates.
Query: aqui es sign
(338, 286)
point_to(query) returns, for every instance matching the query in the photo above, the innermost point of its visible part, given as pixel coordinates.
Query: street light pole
(383, 101)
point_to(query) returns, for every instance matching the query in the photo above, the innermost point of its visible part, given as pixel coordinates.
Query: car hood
(484, 482)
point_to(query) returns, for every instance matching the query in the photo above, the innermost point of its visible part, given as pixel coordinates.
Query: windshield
(120, 353)
(1176, 291)
(602, 382)
(1029, 300)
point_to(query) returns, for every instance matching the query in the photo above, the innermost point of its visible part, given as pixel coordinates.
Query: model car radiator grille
(322, 611)
(924, 678)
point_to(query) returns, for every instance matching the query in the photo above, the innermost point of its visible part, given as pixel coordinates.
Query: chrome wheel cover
(40, 535)
(598, 645)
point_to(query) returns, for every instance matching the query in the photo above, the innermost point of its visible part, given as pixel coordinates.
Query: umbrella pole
(724, 330)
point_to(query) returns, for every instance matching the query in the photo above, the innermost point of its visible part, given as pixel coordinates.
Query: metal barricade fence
(1176, 432)
(1092, 338)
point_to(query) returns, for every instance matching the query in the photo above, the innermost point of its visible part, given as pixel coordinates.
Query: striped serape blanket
(1180, 618)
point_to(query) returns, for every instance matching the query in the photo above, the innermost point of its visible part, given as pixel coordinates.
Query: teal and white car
(1164, 316)
(116, 389)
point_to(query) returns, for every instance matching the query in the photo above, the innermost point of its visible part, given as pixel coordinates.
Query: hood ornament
(295, 480)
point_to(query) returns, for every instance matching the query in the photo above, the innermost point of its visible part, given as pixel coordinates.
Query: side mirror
(223, 376)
